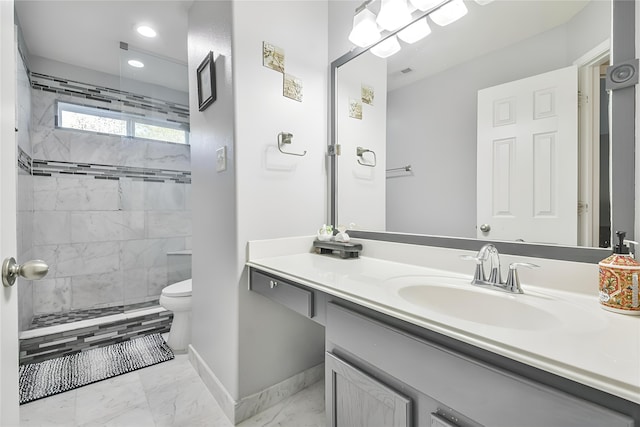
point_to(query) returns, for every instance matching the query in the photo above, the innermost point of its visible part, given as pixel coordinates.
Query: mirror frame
(622, 185)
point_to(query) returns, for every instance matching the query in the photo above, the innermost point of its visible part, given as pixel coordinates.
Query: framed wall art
(206, 82)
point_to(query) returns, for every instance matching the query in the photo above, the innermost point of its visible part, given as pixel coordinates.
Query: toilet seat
(179, 289)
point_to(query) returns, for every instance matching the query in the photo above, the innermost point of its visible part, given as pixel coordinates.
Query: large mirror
(495, 127)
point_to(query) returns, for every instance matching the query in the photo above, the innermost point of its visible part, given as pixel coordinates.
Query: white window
(92, 119)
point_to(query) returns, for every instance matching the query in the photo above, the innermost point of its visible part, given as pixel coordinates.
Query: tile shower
(102, 210)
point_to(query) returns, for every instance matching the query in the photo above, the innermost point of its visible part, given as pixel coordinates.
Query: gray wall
(249, 342)
(432, 125)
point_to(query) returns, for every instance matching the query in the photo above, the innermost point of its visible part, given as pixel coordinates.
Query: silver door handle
(30, 270)
(485, 228)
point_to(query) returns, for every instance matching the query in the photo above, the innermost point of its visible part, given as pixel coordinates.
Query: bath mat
(53, 376)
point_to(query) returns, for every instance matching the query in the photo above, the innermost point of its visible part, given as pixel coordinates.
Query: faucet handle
(513, 281)
(478, 276)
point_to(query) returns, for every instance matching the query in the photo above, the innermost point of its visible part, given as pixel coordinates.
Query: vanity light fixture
(135, 63)
(393, 14)
(449, 13)
(425, 5)
(416, 31)
(365, 30)
(386, 48)
(146, 31)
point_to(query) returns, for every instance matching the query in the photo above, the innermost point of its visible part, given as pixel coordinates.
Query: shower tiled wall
(24, 201)
(106, 210)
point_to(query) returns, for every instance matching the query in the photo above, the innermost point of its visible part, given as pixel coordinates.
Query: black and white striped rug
(42, 379)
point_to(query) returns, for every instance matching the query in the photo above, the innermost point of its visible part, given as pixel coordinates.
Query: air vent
(406, 70)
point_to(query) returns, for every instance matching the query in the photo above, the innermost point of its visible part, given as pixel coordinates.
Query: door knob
(30, 270)
(485, 228)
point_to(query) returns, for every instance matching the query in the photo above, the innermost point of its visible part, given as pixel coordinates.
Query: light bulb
(449, 13)
(146, 31)
(135, 63)
(365, 30)
(393, 14)
(425, 5)
(386, 48)
(416, 31)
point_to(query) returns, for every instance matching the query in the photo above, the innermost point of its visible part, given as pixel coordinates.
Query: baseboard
(251, 405)
(217, 390)
(238, 411)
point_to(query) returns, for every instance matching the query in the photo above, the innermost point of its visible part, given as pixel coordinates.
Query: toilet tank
(178, 266)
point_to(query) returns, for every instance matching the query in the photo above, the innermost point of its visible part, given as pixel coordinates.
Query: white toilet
(177, 298)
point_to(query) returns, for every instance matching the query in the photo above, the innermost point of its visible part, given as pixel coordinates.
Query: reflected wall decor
(206, 82)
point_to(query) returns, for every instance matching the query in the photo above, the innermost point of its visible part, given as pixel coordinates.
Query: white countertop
(589, 345)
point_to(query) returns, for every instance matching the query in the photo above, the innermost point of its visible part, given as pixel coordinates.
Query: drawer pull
(273, 284)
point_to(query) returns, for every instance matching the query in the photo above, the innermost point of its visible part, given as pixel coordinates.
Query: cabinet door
(354, 399)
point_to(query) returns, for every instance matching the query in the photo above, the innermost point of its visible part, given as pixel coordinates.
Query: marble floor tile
(167, 394)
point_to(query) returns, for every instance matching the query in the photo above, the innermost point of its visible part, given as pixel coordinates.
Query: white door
(527, 167)
(8, 247)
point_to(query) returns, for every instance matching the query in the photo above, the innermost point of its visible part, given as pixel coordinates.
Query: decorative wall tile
(292, 87)
(273, 57)
(40, 348)
(110, 99)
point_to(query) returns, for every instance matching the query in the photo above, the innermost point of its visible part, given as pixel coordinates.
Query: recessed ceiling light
(146, 31)
(135, 63)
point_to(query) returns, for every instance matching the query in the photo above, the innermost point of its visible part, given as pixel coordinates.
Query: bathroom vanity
(410, 345)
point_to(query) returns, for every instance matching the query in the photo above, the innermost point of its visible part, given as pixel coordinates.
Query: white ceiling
(88, 34)
(484, 29)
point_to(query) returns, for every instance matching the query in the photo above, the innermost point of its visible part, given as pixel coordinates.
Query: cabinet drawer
(289, 294)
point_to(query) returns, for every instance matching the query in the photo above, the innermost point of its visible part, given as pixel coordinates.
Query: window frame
(130, 119)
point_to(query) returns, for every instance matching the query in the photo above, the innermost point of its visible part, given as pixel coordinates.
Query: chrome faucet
(490, 253)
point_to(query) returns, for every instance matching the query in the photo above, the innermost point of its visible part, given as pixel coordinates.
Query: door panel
(8, 247)
(528, 159)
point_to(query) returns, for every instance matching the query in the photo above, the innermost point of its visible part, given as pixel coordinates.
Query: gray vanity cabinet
(383, 372)
(356, 399)
(459, 388)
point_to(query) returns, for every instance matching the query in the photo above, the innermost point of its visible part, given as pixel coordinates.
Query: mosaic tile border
(46, 347)
(112, 99)
(62, 318)
(98, 171)
(24, 160)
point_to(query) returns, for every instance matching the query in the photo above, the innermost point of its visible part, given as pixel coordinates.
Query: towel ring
(360, 152)
(285, 138)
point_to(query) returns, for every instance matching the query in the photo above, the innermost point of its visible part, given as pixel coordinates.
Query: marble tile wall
(106, 210)
(106, 240)
(24, 202)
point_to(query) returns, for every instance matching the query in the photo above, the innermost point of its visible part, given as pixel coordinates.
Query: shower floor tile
(52, 319)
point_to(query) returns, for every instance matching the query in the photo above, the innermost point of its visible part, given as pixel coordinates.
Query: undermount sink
(484, 306)
(456, 298)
